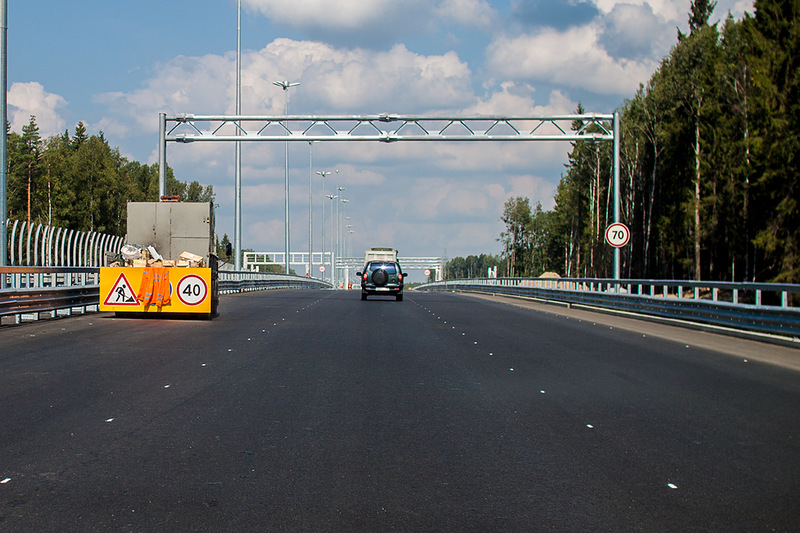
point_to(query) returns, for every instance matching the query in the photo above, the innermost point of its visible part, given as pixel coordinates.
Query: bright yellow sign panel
(126, 290)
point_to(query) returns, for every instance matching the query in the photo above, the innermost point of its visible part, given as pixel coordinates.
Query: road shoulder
(764, 350)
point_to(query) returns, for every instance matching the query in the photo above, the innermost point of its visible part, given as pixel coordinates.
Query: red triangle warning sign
(121, 293)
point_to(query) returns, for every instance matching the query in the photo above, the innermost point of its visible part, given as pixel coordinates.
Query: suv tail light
(365, 276)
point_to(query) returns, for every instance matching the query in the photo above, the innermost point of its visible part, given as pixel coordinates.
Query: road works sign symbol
(192, 289)
(121, 293)
(618, 235)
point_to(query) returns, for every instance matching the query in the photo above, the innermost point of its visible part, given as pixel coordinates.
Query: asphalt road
(315, 411)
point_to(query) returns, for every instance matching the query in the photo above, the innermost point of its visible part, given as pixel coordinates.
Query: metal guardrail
(754, 307)
(244, 281)
(35, 290)
(28, 292)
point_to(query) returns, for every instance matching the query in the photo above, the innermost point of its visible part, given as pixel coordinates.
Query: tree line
(709, 166)
(80, 182)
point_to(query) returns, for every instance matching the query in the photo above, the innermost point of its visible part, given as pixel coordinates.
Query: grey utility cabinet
(173, 227)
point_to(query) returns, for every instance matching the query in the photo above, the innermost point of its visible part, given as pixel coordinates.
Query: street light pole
(343, 248)
(285, 85)
(237, 179)
(350, 240)
(323, 173)
(332, 197)
(340, 189)
(310, 213)
(347, 248)
(345, 220)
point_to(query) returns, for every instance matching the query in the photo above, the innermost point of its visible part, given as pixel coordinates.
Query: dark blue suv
(382, 278)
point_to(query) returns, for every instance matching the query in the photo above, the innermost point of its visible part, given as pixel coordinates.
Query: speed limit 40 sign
(618, 235)
(192, 290)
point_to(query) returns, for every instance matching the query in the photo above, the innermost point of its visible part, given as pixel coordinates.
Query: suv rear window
(388, 267)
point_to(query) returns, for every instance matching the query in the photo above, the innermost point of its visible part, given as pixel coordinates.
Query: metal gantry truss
(388, 128)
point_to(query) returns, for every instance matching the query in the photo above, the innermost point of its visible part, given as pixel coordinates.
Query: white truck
(380, 254)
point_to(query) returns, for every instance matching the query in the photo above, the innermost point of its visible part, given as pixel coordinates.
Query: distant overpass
(346, 267)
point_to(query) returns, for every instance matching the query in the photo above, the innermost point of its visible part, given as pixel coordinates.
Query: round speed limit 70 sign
(192, 290)
(618, 235)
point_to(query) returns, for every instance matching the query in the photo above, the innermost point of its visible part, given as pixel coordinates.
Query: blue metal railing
(244, 281)
(32, 244)
(761, 307)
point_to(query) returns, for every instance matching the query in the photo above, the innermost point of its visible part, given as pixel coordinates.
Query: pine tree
(27, 195)
(517, 218)
(775, 53)
(700, 13)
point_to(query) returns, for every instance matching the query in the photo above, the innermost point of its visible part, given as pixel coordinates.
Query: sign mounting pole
(617, 251)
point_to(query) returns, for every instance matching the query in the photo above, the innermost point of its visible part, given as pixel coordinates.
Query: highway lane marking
(670, 485)
(588, 426)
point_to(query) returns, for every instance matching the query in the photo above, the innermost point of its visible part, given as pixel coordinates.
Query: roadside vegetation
(709, 166)
(80, 182)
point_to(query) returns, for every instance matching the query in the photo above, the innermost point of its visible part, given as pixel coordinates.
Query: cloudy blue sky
(115, 65)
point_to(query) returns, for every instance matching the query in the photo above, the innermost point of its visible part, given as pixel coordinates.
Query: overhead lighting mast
(237, 178)
(323, 173)
(285, 85)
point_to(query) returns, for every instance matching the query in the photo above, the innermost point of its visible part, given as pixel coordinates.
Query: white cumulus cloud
(678, 12)
(573, 58)
(331, 79)
(26, 99)
(478, 13)
(339, 13)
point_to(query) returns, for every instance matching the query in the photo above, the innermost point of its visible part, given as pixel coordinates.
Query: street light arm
(285, 84)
